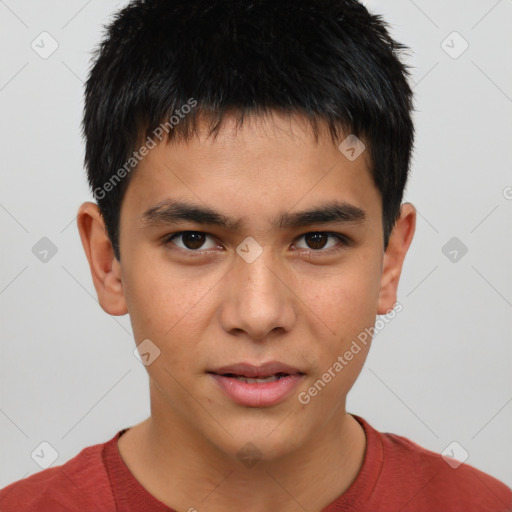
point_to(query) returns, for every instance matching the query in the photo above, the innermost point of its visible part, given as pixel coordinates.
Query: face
(229, 278)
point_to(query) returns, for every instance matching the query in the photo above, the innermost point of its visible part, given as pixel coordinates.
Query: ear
(105, 268)
(399, 242)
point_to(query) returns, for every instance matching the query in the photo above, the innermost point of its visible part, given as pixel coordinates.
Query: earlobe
(105, 268)
(394, 257)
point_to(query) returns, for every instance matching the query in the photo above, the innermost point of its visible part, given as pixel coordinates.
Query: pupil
(316, 240)
(193, 240)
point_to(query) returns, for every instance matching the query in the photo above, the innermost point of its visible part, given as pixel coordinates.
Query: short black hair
(173, 63)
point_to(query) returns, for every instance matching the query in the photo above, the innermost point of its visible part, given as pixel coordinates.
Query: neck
(186, 472)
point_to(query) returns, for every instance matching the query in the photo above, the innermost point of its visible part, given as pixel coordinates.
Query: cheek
(166, 304)
(345, 301)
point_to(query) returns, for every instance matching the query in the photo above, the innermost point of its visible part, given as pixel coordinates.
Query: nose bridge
(258, 277)
(260, 302)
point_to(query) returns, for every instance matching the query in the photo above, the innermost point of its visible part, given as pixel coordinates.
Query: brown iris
(316, 240)
(193, 239)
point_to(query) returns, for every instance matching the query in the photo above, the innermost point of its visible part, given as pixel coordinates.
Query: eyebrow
(174, 211)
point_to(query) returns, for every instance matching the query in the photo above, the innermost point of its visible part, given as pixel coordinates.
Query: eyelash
(345, 241)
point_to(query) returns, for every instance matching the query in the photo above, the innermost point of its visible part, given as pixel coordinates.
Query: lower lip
(258, 394)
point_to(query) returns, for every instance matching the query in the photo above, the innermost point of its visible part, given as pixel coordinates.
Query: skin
(297, 303)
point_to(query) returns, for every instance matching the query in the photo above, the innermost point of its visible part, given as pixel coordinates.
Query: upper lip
(256, 371)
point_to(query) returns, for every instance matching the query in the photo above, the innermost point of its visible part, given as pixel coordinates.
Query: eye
(191, 241)
(198, 241)
(318, 241)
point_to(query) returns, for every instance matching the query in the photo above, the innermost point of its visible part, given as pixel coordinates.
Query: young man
(249, 160)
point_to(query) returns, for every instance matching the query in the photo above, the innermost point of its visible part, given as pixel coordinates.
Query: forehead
(266, 164)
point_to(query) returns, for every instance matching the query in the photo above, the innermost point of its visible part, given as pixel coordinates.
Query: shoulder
(428, 481)
(80, 484)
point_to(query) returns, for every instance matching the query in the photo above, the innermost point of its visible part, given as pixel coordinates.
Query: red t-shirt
(397, 475)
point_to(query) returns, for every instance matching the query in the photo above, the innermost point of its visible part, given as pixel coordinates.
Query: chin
(257, 436)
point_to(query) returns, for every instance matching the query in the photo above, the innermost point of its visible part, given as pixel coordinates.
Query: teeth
(272, 378)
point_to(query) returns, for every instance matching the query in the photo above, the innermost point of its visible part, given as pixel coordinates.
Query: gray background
(438, 373)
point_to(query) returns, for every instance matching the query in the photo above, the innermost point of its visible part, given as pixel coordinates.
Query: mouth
(257, 385)
(266, 372)
(255, 380)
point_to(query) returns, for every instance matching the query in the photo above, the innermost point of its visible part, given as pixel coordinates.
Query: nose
(258, 301)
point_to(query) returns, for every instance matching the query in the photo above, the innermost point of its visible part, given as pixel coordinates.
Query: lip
(254, 371)
(257, 394)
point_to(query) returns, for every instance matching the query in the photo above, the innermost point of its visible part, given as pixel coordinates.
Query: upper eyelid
(177, 233)
(343, 238)
(169, 237)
